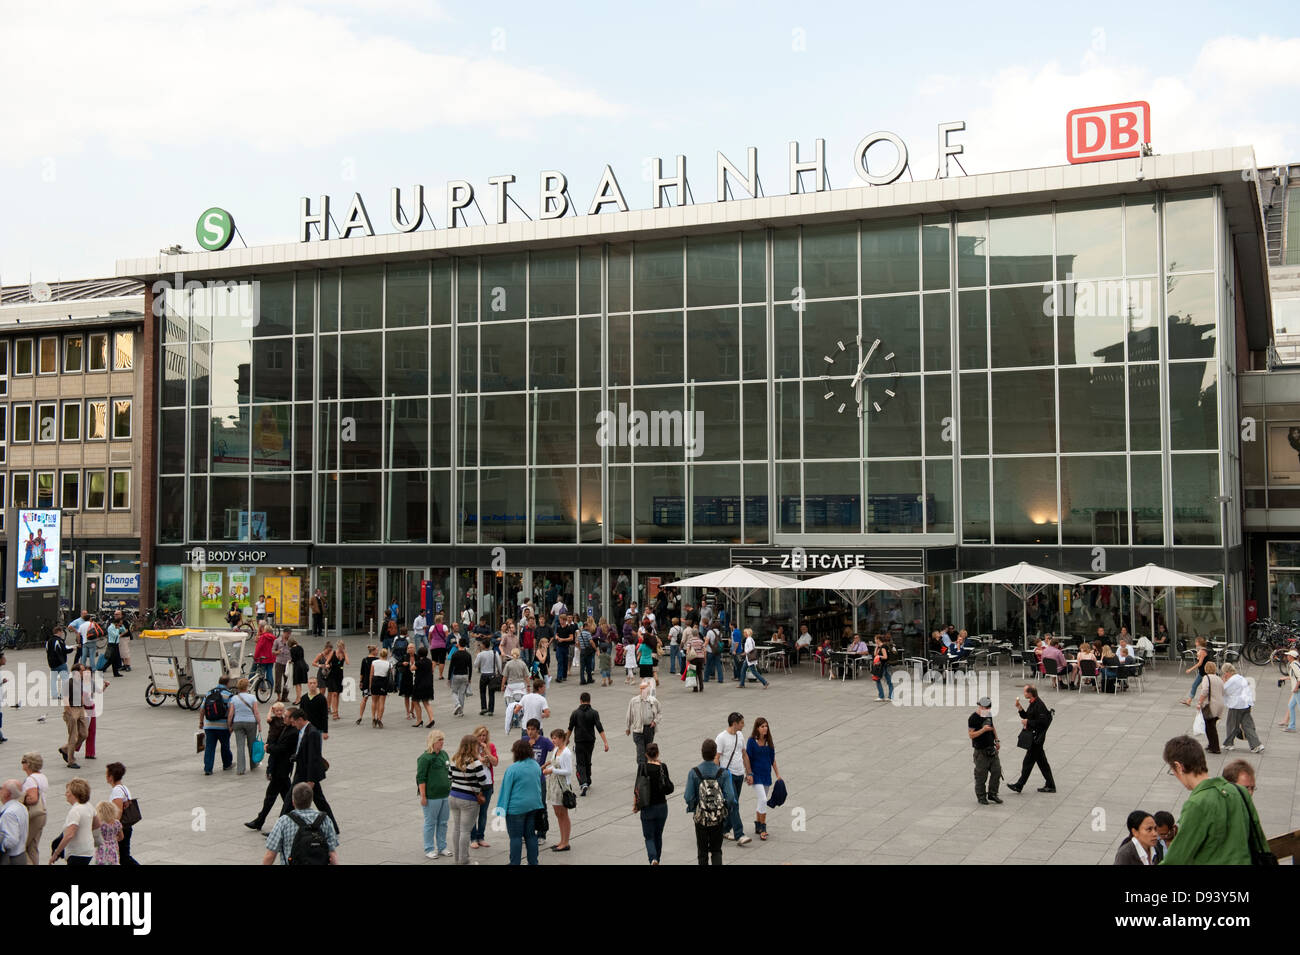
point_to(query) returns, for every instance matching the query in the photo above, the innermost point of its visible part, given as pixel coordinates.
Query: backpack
(215, 707)
(619, 654)
(309, 845)
(710, 801)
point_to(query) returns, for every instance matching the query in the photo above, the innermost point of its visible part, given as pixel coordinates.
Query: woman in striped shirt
(468, 779)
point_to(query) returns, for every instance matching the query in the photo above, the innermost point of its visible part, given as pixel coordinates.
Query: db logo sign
(1107, 132)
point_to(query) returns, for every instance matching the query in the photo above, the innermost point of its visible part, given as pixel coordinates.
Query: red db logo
(1107, 132)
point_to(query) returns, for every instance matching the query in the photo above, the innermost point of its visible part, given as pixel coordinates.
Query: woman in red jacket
(263, 654)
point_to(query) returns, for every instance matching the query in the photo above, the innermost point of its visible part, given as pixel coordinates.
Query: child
(108, 828)
(629, 662)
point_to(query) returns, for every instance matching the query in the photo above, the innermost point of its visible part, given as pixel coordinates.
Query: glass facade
(1030, 376)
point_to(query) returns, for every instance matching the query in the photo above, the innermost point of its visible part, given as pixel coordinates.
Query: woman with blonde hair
(334, 678)
(244, 720)
(108, 833)
(433, 779)
(379, 688)
(469, 778)
(372, 654)
(34, 786)
(559, 785)
(487, 754)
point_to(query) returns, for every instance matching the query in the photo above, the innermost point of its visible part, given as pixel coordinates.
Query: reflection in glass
(407, 362)
(1094, 500)
(827, 432)
(1020, 244)
(937, 353)
(972, 330)
(1090, 327)
(1024, 412)
(1193, 406)
(938, 493)
(1189, 232)
(975, 413)
(503, 434)
(1088, 238)
(1021, 326)
(229, 511)
(660, 506)
(713, 339)
(712, 270)
(832, 502)
(895, 504)
(830, 260)
(718, 407)
(1148, 511)
(552, 280)
(504, 364)
(362, 298)
(408, 506)
(551, 353)
(1092, 404)
(1139, 236)
(555, 505)
(889, 255)
(407, 296)
(271, 513)
(896, 322)
(716, 503)
(895, 430)
(657, 348)
(1195, 480)
(1189, 300)
(657, 275)
(1024, 500)
(935, 234)
(502, 288)
(502, 505)
(360, 508)
(825, 326)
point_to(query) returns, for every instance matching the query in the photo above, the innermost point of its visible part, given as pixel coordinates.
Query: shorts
(647, 669)
(439, 655)
(760, 797)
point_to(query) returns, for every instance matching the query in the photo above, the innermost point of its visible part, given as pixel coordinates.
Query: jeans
(675, 660)
(562, 657)
(459, 685)
(479, 831)
(211, 738)
(708, 844)
(421, 640)
(527, 655)
(749, 668)
(712, 662)
(653, 819)
(244, 734)
(582, 750)
(464, 815)
(733, 818)
(436, 812)
(267, 670)
(386, 642)
(885, 680)
(1196, 685)
(519, 828)
(58, 680)
(587, 666)
(738, 666)
(642, 740)
(487, 692)
(1291, 706)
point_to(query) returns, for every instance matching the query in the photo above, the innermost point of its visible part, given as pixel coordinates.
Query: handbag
(259, 749)
(569, 799)
(1026, 739)
(130, 813)
(1259, 855)
(641, 789)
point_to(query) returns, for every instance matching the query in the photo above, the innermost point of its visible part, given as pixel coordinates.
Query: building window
(47, 428)
(121, 418)
(22, 424)
(123, 351)
(49, 356)
(70, 490)
(97, 354)
(21, 483)
(23, 356)
(95, 485)
(121, 490)
(96, 420)
(72, 357)
(71, 421)
(45, 489)
(4, 369)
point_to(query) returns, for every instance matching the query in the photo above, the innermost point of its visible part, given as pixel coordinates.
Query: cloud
(1231, 94)
(241, 75)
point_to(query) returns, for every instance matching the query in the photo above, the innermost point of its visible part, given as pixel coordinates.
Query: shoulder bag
(130, 811)
(1259, 855)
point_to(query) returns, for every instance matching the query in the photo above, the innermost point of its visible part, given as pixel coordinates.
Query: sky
(122, 122)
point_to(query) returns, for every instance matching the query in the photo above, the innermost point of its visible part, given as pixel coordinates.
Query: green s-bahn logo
(215, 229)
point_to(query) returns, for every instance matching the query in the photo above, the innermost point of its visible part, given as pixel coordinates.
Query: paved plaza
(869, 783)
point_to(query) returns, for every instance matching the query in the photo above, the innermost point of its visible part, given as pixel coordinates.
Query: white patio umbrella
(1151, 581)
(855, 585)
(736, 583)
(1024, 580)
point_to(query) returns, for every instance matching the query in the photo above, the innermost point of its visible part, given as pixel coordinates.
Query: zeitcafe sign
(408, 210)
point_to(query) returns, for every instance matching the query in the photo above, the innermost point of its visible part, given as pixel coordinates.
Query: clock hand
(857, 378)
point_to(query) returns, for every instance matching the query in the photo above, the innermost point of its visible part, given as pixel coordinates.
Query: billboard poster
(1284, 453)
(240, 587)
(38, 548)
(210, 590)
(291, 602)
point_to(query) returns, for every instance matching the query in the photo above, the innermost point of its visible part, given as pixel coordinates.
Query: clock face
(859, 374)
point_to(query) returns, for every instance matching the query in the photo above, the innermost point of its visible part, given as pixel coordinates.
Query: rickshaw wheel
(154, 696)
(186, 698)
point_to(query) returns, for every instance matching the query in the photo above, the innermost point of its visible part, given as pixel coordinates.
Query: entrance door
(93, 598)
(359, 600)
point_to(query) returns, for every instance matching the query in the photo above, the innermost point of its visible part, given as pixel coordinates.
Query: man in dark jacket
(309, 764)
(584, 724)
(280, 742)
(1036, 719)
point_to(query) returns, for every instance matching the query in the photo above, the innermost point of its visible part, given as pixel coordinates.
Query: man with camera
(1035, 721)
(985, 742)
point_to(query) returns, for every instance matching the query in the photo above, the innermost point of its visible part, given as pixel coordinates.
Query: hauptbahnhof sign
(409, 213)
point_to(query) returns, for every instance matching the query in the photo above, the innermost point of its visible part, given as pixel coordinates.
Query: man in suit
(1036, 719)
(308, 764)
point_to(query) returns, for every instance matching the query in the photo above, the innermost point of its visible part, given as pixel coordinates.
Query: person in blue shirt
(520, 798)
(762, 768)
(737, 657)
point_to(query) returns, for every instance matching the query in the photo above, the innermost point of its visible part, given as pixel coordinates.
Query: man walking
(730, 747)
(710, 799)
(984, 740)
(13, 824)
(566, 638)
(586, 657)
(74, 714)
(309, 765)
(215, 721)
(1218, 824)
(56, 655)
(1239, 697)
(1036, 720)
(317, 607)
(642, 718)
(713, 654)
(584, 724)
(284, 836)
(420, 630)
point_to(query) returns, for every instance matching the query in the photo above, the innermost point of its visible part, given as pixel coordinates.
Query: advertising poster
(210, 590)
(38, 548)
(291, 602)
(240, 587)
(652, 587)
(271, 588)
(1284, 453)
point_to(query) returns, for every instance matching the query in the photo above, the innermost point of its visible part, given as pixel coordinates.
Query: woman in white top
(121, 797)
(244, 720)
(34, 787)
(78, 839)
(379, 688)
(559, 775)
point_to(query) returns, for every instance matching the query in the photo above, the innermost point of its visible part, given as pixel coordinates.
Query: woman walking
(696, 656)
(762, 767)
(520, 799)
(78, 839)
(1202, 655)
(379, 688)
(645, 654)
(438, 644)
(514, 678)
(487, 754)
(298, 662)
(654, 811)
(406, 680)
(322, 663)
(541, 665)
(459, 668)
(1209, 700)
(35, 786)
(372, 654)
(244, 720)
(334, 685)
(605, 652)
(559, 784)
(433, 778)
(422, 686)
(121, 797)
(281, 741)
(280, 647)
(469, 778)
(880, 671)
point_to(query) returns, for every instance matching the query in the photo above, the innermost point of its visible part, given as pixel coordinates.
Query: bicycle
(263, 686)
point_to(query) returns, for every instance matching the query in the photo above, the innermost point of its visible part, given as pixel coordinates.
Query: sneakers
(729, 837)
(431, 855)
(744, 841)
(1258, 749)
(1229, 747)
(584, 790)
(448, 852)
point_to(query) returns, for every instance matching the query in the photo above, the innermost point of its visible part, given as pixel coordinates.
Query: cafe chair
(1126, 673)
(1088, 671)
(1050, 670)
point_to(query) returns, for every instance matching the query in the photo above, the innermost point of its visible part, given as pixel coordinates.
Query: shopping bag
(259, 750)
(1198, 724)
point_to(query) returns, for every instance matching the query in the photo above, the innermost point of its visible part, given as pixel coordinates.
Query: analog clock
(874, 376)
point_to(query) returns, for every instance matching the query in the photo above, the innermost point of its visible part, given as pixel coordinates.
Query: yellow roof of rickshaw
(164, 634)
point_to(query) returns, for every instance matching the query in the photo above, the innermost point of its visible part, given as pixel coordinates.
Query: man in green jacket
(1217, 820)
